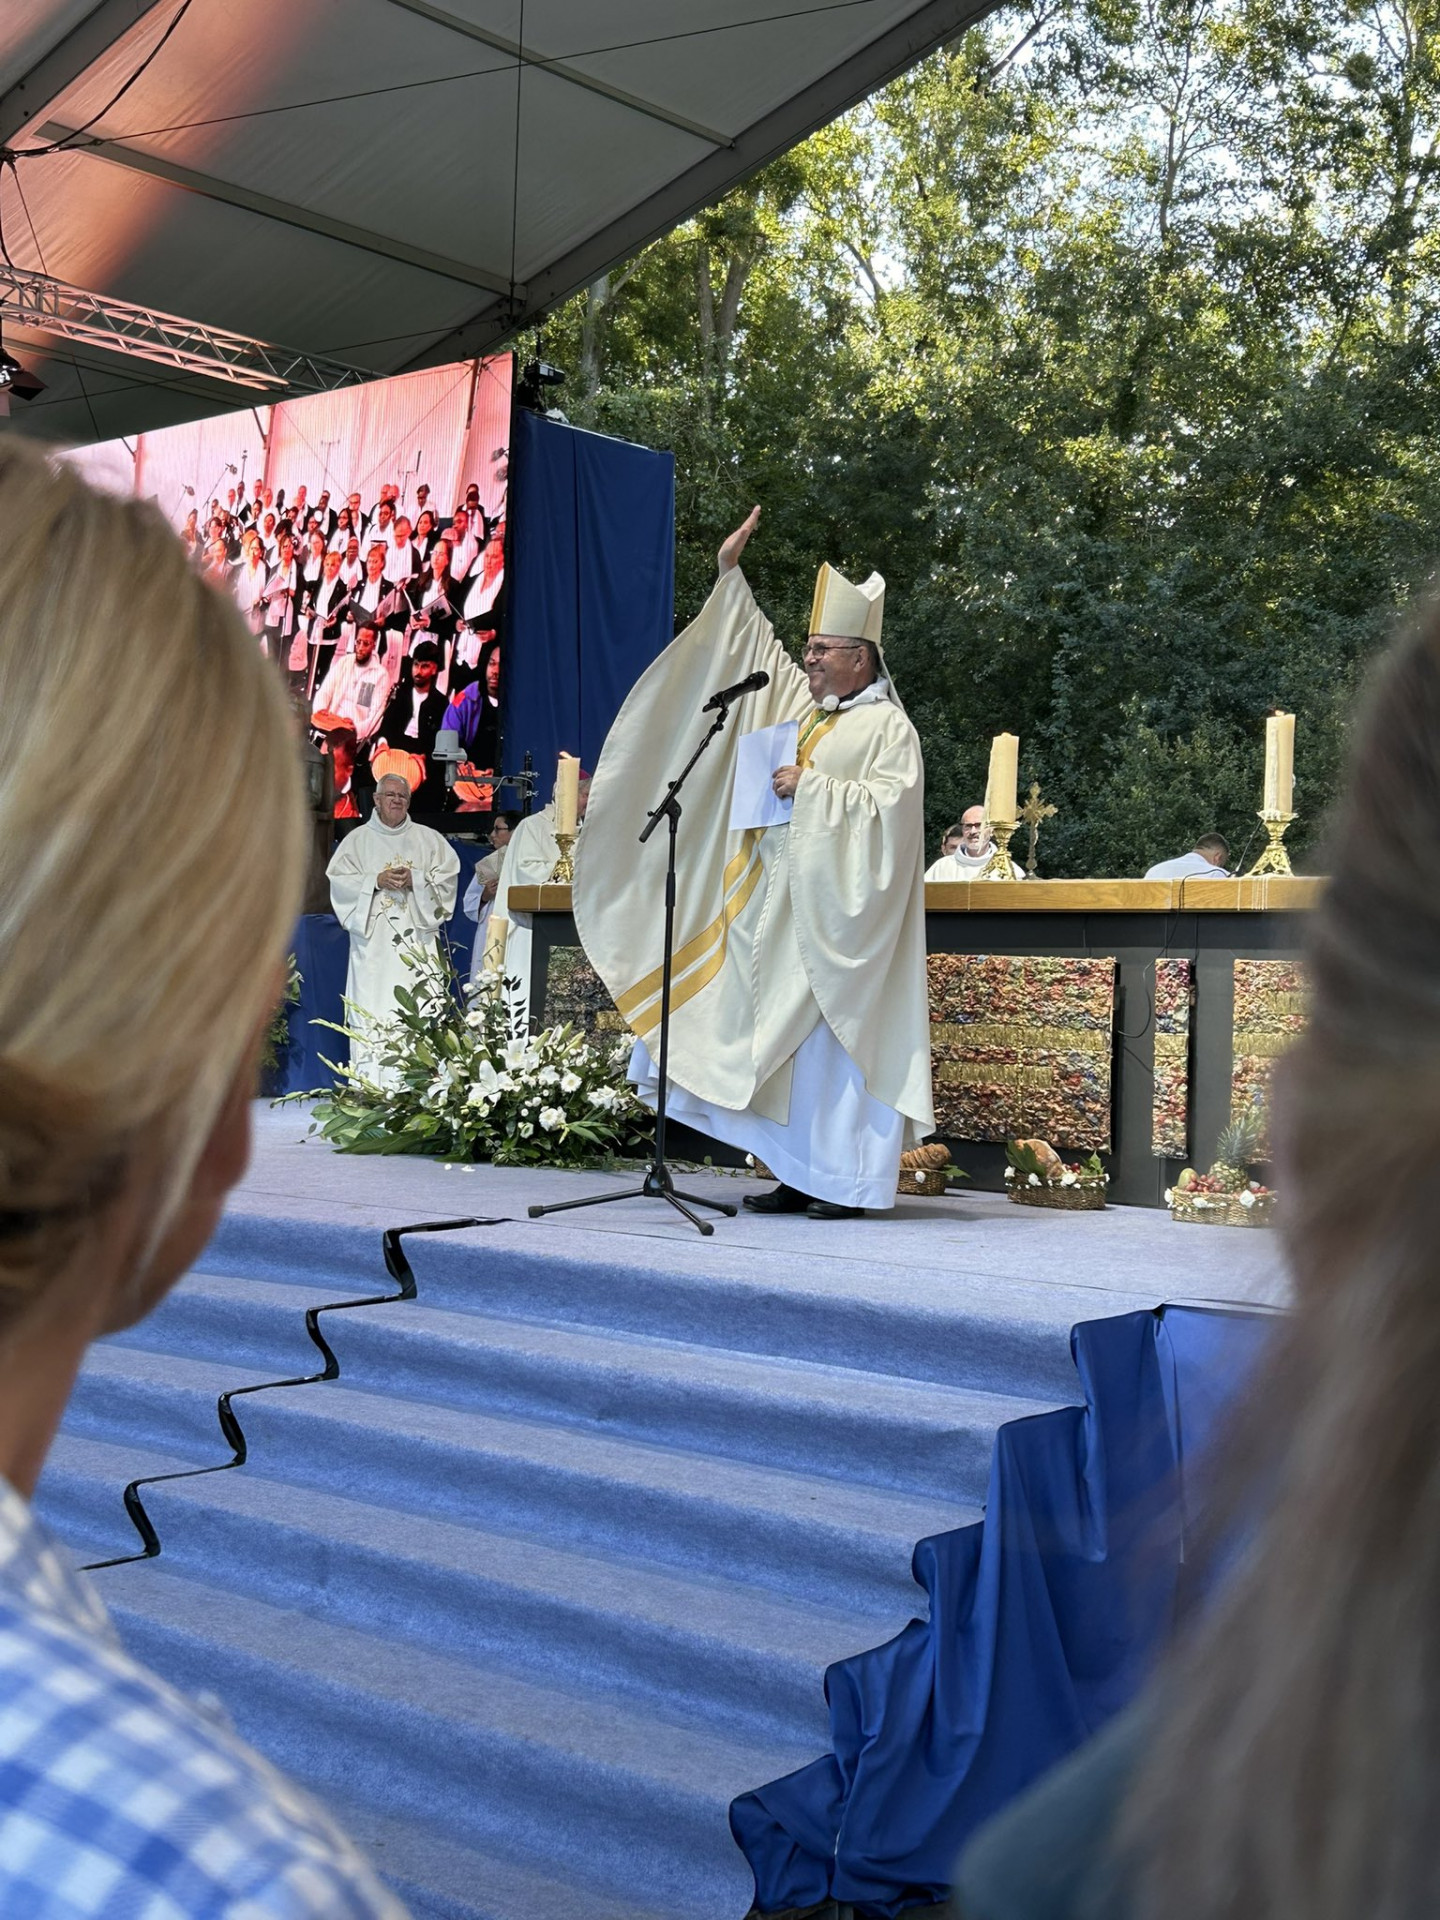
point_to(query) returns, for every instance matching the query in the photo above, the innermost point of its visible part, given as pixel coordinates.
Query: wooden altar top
(1272, 894)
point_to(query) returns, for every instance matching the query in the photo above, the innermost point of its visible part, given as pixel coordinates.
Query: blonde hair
(152, 847)
(1296, 1763)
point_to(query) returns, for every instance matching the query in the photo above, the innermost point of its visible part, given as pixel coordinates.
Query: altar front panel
(1117, 1044)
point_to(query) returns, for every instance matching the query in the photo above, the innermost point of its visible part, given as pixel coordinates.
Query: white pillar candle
(1000, 787)
(1279, 764)
(567, 794)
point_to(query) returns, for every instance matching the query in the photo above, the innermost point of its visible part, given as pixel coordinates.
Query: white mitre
(844, 611)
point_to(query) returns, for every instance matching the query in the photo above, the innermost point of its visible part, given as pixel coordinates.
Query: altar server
(392, 886)
(484, 885)
(801, 1029)
(529, 862)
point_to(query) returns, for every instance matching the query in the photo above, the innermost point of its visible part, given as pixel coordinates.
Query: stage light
(17, 379)
(535, 376)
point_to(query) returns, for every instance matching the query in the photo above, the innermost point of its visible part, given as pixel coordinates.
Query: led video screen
(363, 535)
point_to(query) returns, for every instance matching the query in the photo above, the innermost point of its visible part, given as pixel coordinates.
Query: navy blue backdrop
(591, 590)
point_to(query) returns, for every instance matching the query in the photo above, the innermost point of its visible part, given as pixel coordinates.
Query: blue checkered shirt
(121, 1799)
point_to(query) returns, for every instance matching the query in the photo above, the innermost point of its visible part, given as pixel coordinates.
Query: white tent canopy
(386, 184)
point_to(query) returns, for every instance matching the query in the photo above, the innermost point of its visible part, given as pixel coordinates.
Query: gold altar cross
(1033, 813)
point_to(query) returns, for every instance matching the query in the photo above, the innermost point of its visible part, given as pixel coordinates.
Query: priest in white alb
(530, 859)
(392, 886)
(800, 1027)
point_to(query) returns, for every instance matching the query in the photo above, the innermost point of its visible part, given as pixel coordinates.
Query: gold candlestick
(1274, 859)
(565, 866)
(997, 867)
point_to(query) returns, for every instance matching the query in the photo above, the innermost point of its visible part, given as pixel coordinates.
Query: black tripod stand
(658, 1183)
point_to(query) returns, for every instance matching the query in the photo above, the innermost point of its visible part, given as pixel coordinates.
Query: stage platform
(917, 1257)
(554, 1569)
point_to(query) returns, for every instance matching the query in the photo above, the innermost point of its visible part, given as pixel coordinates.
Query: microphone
(752, 683)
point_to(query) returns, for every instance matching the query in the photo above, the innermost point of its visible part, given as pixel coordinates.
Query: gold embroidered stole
(699, 960)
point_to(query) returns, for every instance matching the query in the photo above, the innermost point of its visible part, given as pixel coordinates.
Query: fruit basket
(1226, 1196)
(1253, 1207)
(1036, 1176)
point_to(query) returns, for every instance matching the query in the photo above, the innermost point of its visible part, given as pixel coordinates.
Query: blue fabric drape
(322, 952)
(592, 587)
(1044, 1620)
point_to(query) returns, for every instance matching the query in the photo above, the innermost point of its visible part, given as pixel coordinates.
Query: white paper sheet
(753, 801)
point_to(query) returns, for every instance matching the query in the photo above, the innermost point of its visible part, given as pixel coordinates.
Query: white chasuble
(383, 925)
(800, 1012)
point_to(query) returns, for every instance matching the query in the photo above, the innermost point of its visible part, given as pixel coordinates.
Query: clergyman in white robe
(478, 908)
(386, 922)
(529, 862)
(800, 1023)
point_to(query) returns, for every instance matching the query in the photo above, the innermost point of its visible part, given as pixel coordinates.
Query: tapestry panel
(1170, 1113)
(1021, 1047)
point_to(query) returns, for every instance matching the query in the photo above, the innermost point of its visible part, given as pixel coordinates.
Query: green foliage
(1109, 334)
(277, 1034)
(465, 1082)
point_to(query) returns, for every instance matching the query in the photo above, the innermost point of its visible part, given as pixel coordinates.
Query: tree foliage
(1109, 335)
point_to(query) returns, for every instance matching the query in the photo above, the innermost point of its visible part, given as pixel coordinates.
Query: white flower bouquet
(456, 1079)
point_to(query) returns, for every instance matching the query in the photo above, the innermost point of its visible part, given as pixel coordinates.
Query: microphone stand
(659, 1183)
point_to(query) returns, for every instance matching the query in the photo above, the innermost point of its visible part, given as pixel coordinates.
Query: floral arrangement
(1036, 1176)
(457, 1077)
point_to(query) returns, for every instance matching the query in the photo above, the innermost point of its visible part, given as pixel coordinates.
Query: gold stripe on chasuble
(741, 877)
(686, 989)
(811, 734)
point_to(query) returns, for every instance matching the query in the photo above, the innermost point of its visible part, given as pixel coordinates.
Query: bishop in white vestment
(392, 886)
(800, 1027)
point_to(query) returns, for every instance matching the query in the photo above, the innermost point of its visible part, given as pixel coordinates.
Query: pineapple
(1237, 1146)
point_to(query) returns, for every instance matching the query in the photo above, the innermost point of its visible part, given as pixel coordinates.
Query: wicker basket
(1077, 1199)
(931, 1181)
(1223, 1210)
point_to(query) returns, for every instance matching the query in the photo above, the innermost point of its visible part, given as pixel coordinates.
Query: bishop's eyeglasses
(816, 650)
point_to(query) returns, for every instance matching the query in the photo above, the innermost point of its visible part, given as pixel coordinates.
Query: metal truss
(37, 302)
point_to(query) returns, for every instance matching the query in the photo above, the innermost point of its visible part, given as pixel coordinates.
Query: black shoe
(782, 1200)
(832, 1210)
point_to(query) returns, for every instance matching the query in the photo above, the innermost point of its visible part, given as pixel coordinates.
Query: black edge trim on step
(400, 1271)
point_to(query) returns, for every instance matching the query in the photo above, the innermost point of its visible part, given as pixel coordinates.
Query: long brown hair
(1295, 1770)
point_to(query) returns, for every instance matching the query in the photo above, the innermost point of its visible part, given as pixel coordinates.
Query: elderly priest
(800, 1030)
(392, 885)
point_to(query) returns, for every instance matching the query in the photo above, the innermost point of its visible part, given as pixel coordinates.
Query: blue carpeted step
(757, 1662)
(993, 1332)
(440, 1880)
(917, 1435)
(824, 1539)
(608, 1794)
(79, 1495)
